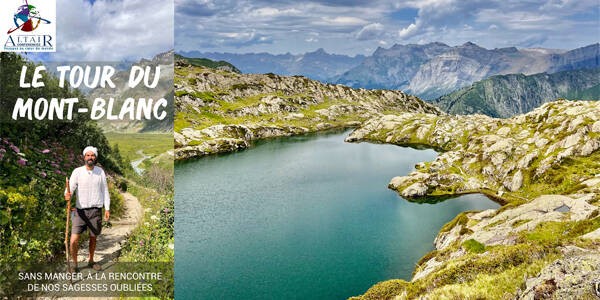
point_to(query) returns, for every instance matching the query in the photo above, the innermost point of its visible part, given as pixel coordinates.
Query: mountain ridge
(508, 95)
(320, 65)
(451, 68)
(219, 111)
(425, 70)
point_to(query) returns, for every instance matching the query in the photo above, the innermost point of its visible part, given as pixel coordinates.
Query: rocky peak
(470, 44)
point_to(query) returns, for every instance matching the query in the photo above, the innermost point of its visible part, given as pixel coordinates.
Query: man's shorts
(87, 218)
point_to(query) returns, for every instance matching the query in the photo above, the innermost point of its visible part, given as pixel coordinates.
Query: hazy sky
(115, 30)
(359, 27)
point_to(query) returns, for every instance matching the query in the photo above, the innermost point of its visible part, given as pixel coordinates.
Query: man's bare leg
(92, 249)
(74, 248)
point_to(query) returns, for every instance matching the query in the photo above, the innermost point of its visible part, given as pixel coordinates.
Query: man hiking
(88, 182)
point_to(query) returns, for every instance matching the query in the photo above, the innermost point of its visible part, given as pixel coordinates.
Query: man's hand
(106, 215)
(68, 196)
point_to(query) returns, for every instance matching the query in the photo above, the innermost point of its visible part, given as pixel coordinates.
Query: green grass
(469, 274)
(507, 267)
(555, 234)
(562, 179)
(151, 144)
(497, 286)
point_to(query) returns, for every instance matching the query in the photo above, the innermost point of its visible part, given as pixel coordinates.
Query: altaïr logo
(27, 15)
(30, 31)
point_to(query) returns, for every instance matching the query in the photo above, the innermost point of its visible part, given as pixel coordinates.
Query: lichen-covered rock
(417, 189)
(499, 228)
(498, 153)
(215, 104)
(572, 277)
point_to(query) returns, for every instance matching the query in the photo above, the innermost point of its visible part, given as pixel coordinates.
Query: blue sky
(111, 30)
(359, 27)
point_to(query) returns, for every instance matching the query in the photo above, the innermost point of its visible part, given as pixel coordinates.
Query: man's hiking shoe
(95, 266)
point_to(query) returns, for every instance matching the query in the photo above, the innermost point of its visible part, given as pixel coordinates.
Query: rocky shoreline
(543, 165)
(219, 111)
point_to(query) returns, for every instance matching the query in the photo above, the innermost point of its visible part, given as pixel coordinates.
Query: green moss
(488, 226)
(460, 219)
(554, 234)
(514, 202)
(518, 223)
(180, 93)
(245, 86)
(385, 290)
(497, 286)
(473, 246)
(194, 143)
(206, 96)
(427, 257)
(180, 123)
(464, 230)
(565, 178)
(241, 102)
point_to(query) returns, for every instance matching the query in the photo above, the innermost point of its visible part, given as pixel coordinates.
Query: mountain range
(318, 65)
(508, 95)
(427, 70)
(435, 69)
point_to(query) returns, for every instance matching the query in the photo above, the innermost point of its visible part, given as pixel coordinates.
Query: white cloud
(270, 12)
(370, 32)
(341, 21)
(113, 30)
(351, 26)
(409, 31)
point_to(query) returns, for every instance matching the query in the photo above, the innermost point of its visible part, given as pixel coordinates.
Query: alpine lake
(304, 217)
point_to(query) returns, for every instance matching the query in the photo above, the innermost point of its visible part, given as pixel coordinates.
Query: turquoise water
(305, 217)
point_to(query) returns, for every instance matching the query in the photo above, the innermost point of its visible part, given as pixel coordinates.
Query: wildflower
(171, 246)
(43, 174)
(15, 148)
(21, 154)
(154, 217)
(22, 242)
(141, 242)
(146, 224)
(22, 161)
(46, 151)
(166, 210)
